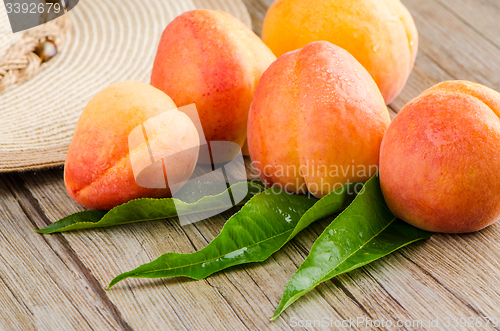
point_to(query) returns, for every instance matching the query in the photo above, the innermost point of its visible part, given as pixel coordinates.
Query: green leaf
(364, 232)
(140, 210)
(266, 223)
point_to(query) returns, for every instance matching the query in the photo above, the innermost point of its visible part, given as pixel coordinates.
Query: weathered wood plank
(426, 74)
(41, 284)
(213, 303)
(249, 293)
(243, 296)
(465, 266)
(111, 251)
(460, 50)
(257, 10)
(479, 15)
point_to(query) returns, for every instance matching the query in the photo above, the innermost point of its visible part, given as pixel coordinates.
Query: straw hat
(113, 40)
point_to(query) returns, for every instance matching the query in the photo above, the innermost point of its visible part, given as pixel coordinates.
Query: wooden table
(56, 282)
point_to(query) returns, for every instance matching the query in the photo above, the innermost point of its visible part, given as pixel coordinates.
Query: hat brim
(111, 41)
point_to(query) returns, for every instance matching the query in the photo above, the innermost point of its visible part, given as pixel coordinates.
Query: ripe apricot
(98, 173)
(211, 59)
(440, 159)
(316, 121)
(380, 34)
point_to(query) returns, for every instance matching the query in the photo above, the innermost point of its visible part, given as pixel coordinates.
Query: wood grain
(44, 285)
(57, 282)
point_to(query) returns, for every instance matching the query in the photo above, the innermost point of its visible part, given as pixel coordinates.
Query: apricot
(211, 59)
(380, 34)
(98, 173)
(440, 159)
(316, 121)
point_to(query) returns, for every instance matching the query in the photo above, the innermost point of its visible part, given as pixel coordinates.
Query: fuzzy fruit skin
(380, 34)
(98, 172)
(440, 159)
(316, 109)
(212, 59)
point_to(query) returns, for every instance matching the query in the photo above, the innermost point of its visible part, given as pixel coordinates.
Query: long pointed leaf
(140, 210)
(266, 223)
(364, 232)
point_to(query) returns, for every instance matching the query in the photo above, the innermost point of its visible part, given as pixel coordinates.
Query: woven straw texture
(24, 58)
(113, 40)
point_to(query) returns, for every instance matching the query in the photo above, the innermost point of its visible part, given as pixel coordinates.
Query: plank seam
(325, 297)
(71, 254)
(388, 294)
(22, 303)
(427, 55)
(351, 296)
(427, 273)
(32, 221)
(467, 23)
(217, 289)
